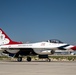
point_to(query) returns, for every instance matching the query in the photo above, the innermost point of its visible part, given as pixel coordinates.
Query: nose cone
(73, 48)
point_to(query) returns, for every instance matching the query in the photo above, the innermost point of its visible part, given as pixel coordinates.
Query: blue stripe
(62, 47)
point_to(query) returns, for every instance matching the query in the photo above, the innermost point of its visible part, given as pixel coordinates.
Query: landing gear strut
(48, 60)
(28, 59)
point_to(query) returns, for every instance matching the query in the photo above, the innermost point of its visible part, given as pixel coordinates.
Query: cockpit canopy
(54, 41)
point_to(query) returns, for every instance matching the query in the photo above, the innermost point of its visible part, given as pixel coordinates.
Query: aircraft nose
(73, 48)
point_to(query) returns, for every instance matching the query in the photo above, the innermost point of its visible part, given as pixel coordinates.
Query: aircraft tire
(28, 59)
(19, 59)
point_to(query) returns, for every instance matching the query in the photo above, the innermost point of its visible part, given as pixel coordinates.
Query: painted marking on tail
(3, 40)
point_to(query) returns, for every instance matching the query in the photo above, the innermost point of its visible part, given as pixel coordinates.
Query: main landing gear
(19, 59)
(28, 59)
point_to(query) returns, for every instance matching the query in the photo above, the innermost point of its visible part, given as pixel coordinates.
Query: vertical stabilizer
(4, 39)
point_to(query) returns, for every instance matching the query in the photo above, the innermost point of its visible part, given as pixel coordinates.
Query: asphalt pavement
(38, 68)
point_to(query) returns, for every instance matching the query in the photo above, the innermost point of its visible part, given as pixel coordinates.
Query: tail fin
(4, 39)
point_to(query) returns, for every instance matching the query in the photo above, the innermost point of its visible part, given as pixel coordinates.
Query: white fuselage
(40, 47)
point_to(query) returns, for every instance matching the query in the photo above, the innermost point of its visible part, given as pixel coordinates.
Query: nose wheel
(49, 59)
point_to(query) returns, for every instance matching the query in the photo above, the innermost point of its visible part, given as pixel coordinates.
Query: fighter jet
(41, 49)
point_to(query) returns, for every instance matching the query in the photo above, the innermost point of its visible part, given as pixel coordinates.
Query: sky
(39, 20)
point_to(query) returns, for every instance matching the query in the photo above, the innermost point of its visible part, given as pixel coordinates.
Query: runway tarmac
(37, 68)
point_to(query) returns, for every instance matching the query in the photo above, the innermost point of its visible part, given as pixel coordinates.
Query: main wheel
(19, 59)
(28, 59)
